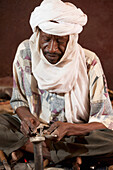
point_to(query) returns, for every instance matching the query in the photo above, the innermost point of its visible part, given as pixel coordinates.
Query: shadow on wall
(97, 35)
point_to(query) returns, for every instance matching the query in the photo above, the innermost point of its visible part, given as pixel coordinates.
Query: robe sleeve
(100, 104)
(25, 89)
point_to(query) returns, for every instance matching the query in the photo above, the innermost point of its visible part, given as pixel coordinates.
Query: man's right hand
(28, 125)
(29, 122)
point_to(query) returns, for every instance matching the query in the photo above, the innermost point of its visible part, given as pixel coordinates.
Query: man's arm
(62, 129)
(23, 99)
(28, 121)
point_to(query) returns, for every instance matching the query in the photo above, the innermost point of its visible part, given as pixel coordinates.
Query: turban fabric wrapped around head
(69, 75)
(68, 19)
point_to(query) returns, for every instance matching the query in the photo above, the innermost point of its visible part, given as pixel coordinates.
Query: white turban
(68, 18)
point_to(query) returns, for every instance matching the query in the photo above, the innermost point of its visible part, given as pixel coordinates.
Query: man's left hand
(58, 128)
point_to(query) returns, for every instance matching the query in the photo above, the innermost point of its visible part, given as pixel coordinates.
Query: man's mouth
(52, 57)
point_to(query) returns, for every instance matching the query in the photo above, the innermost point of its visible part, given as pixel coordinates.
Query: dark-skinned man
(59, 83)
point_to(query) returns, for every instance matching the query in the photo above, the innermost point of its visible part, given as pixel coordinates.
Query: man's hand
(28, 125)
(62, 129)
(59, 129)
(29, 122)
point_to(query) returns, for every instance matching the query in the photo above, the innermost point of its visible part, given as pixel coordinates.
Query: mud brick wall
(97, 35)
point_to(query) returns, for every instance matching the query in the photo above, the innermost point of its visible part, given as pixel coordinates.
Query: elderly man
(59, 83)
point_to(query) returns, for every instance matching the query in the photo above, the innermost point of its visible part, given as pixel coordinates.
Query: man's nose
(52, 46)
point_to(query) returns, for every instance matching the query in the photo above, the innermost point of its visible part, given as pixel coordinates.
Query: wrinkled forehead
(44, 34)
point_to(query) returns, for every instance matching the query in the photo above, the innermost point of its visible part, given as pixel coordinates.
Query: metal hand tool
(37, 142)
(4, 160)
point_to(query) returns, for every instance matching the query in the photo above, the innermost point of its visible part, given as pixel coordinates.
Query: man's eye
(60, 41)
(47, 39)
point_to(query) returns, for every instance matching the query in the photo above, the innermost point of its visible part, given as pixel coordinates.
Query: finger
(52, 128)
(32, 123)
(24, 128)
(36, 122)
(29, 123)
(53, 136)
(55, 133)
(25, 131)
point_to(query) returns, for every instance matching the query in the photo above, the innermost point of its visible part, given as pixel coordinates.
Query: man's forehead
(50, 35)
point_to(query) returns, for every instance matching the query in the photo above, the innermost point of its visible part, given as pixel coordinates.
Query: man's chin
(52, 61)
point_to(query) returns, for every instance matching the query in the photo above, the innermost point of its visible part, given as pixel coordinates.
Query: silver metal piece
(29, 167)
(92, 167)
(38, 156)
(50, 136)
(6, 165)
(37, 139)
